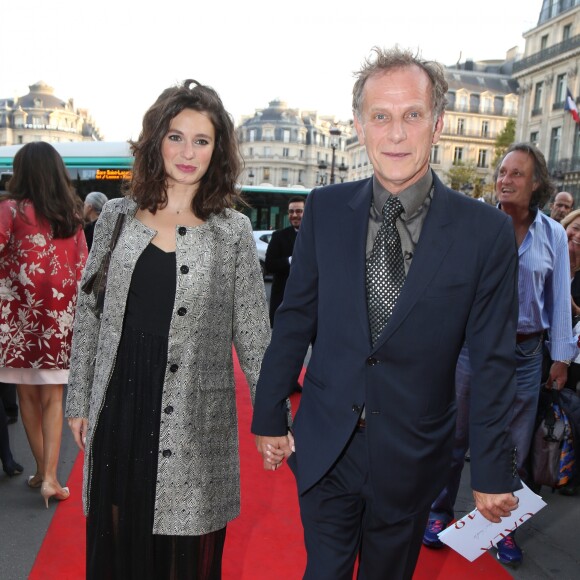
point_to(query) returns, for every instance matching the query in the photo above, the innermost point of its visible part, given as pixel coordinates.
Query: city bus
(105, 165)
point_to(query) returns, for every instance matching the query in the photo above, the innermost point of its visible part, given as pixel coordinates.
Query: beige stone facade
(548, 69)
(42, 116)
(287, 147)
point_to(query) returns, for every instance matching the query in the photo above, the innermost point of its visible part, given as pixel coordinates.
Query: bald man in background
(562, 205)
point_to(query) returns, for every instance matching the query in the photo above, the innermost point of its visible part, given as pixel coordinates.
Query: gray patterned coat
(220, 300)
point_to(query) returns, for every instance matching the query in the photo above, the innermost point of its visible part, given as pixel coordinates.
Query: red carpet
(264, 543)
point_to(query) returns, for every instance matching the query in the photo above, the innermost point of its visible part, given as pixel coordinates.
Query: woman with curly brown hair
(151, 395)
(42, 255)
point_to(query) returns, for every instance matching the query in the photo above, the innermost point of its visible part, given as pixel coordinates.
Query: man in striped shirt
(523, 186)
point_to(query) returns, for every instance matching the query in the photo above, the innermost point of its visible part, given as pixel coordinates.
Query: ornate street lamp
(342, 169)
(251, 177)
(334, 135)
(322, 167)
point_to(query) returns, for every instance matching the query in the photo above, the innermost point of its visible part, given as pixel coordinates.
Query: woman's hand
(79, 427)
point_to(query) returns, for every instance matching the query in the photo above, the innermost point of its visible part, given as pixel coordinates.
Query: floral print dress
(39, 280)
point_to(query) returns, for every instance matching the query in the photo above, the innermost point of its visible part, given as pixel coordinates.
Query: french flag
(571, 106)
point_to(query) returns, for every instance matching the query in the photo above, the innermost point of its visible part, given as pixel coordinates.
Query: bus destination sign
(114, 174)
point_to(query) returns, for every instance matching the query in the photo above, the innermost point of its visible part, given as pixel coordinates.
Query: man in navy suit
(372, 438)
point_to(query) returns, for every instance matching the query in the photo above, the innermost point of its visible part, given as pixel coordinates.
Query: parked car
(262, 239)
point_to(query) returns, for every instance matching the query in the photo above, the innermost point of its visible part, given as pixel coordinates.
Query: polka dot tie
(385, 273)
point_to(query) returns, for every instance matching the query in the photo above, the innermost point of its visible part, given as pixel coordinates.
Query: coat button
(356, 409)
(173, 368)
(166, 453)
(372, 361)
(184, 269)
(182, 311)
(168, 410)
(181, 231)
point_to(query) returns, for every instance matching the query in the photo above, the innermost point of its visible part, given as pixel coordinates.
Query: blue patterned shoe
(430, 537)
(508, 552)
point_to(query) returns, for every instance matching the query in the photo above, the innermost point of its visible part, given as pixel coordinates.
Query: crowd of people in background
(369, 275)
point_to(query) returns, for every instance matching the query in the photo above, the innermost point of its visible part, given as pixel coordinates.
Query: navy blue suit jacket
(461, 286)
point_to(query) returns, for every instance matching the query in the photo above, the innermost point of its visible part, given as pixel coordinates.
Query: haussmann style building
(42, 116)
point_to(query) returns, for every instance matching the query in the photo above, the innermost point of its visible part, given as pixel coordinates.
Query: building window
(266, 174)
(538, 97)
(284, 175)
(561, 89)
(457, 155)
(460, 126)
(251, 152)
(267, 151)
(566, 32)
(268, 134)
(300, 175)
(555, 145)
(286, 136)
(534, 137)
(301, 153)
(462, 106)
(509, 108)
(485, 128)
(252, 136)
(487, 105)
(285, 152)
(482, 158)
(434, 154)
(544, 42)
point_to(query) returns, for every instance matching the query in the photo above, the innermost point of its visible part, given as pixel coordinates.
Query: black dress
(120, 543)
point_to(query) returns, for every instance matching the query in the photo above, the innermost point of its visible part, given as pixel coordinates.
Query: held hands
(274, 450)
(494, 506)
(79, 427)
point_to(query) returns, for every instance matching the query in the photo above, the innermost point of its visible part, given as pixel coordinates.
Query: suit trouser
(341, 522)
(8, 396)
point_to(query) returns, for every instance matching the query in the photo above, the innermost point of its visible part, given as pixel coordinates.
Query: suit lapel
(354, 238)
(434, 243)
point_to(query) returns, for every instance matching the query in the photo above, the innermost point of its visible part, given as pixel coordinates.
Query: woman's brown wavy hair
(40, 176)
(218, 188)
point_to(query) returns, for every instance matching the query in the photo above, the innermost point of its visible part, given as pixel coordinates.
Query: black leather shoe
(11, 468)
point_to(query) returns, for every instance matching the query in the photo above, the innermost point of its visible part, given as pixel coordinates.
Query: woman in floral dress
(42, 254)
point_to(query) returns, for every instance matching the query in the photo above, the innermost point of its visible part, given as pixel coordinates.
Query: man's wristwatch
(566, 362)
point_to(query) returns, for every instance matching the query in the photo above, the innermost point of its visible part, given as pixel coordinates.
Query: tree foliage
(463, 177)
(504, 140)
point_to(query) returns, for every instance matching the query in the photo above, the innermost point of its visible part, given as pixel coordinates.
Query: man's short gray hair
(386, 60)
(97, 200)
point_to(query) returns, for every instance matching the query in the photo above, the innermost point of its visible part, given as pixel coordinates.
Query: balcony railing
(559, 167)
(547, 53)
(470, 134)
(479, 110)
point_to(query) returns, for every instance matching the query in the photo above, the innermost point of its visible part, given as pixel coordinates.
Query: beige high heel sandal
(48, 490)
(34, 481)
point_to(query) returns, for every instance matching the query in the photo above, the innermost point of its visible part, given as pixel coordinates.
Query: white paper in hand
(473, 535)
